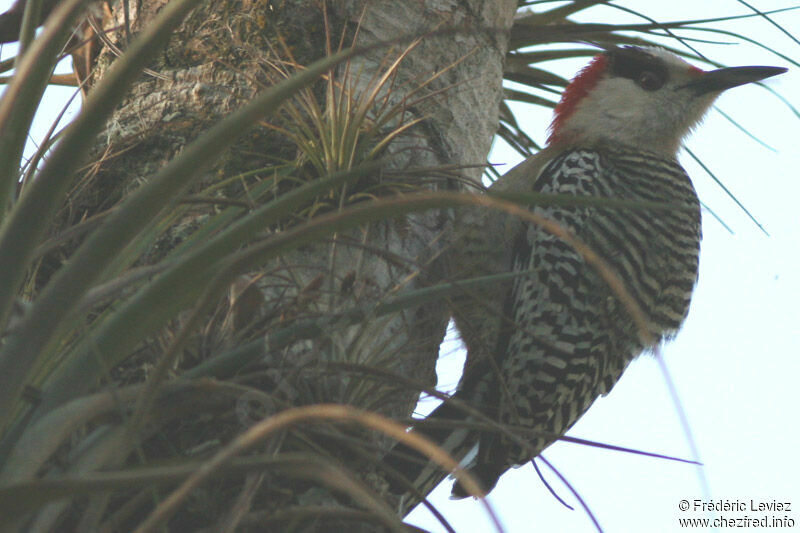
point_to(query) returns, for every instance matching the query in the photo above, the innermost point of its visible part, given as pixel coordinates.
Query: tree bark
(218, 60)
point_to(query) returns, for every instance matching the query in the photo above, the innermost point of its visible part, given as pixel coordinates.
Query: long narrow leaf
(31, 215)
(101, 248)
(19, 104)
(172, 292)
(229, 363)
(30, 21)
(383, 209)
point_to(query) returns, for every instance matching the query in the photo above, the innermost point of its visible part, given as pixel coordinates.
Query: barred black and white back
(568, 337)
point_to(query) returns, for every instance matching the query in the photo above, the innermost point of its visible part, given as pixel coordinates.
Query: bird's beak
(726, 78)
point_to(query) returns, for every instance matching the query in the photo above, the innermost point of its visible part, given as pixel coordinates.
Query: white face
(622, 110)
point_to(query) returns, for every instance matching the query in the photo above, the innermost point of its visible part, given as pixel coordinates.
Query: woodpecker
(541, 352)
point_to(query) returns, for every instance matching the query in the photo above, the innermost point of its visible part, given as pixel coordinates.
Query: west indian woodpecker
(541, 351)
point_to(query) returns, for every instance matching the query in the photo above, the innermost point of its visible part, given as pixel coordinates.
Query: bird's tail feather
(414, 467)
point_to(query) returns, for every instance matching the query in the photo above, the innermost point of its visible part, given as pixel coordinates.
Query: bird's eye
(650, 81)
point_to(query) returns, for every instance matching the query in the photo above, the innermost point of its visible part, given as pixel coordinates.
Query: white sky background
(736, 362)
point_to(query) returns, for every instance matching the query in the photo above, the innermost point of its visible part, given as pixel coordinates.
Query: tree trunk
(224, 54)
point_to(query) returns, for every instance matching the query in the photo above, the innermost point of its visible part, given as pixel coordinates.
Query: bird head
(645, 97)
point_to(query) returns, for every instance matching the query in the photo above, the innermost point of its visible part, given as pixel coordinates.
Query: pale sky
(737, 360)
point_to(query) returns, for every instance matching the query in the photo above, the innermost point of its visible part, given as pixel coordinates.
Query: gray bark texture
(225, 53)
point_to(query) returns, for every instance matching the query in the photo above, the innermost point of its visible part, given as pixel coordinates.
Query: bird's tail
(414, 469)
